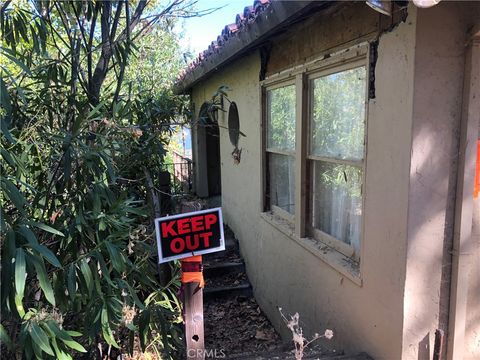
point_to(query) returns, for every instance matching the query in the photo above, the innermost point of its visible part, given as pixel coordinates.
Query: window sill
(342, 264)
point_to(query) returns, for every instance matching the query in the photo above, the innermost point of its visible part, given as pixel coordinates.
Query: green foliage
(208, 114)
(78, 257)
(339, 115)
(338, 129)
(281, 118)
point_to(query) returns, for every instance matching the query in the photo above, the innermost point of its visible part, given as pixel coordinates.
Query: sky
(199, 32)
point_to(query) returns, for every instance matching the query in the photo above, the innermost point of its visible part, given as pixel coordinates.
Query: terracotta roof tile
(248, 11)
(248, 16)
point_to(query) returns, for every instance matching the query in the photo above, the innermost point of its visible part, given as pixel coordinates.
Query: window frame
(267, 150)
(303, 76)
(311, 231)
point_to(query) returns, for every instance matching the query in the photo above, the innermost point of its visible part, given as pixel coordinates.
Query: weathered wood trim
(301, 105)
(344, 59)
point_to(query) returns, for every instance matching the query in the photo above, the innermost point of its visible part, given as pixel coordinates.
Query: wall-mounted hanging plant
(208, 116)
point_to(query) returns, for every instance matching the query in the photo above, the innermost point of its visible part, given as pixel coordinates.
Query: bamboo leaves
(106, 330)
(40, 339)
(41, 249)
(20, 275)
(43, 279)
(46, 336)
(47, 228)
(65, 337)
(87, 275)
(74, 215)
(117, 260)
(13, 194)
(71, 281)
(5, 339)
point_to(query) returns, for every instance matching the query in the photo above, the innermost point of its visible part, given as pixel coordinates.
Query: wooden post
(193, 308)
(194, 321)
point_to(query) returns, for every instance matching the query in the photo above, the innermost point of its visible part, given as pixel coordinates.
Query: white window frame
(302, 76)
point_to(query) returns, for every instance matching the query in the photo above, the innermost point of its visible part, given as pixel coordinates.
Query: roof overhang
(271, 21)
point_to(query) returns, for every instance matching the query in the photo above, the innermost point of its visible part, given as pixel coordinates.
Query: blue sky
(199, 32)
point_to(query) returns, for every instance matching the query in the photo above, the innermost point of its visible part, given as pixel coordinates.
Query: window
(336, 137)
(322, 148)
(281, 149)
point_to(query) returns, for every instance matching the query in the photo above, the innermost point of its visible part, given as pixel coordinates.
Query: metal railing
(181, 174)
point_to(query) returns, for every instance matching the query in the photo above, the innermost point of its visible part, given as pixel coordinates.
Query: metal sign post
(186, 237)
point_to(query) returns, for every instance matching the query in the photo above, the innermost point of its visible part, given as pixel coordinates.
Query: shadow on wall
(431, 226)
(424, 348)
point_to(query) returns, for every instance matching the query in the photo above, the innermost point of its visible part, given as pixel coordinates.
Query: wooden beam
(301, 85)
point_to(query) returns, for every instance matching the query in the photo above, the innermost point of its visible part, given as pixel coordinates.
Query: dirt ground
(238, 326)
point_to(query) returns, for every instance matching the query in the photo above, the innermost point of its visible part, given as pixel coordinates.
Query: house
(352, 191)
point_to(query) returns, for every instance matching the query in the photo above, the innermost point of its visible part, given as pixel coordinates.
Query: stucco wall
(437, 108)
(472, 330)
(283, 273)
(409, 191)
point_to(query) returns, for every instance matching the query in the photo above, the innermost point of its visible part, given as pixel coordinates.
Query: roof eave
(279, 13)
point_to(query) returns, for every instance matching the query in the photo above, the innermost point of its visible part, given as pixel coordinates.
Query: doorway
(209, 135)
(213, 159)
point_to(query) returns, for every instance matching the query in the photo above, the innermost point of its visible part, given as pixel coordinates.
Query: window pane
(337, 201)
(281, 118)
(282, 181)
(338, 115)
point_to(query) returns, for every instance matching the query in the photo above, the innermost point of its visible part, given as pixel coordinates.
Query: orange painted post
(179, 237)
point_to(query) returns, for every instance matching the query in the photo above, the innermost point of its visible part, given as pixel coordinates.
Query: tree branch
(116, 20)
(88, 48)
(5, 6)
(100, 71)
(122, 67)
(81, 24)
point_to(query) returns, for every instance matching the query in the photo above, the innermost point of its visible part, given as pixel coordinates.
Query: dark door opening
(213, 159)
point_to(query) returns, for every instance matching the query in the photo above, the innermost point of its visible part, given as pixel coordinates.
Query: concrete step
(221, 269)
(231, 243)
(244, 289)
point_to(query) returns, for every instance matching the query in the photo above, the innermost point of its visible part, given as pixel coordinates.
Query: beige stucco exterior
(392, 309)
(472, 329)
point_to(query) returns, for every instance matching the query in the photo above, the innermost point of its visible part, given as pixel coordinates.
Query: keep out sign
(189, 234)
